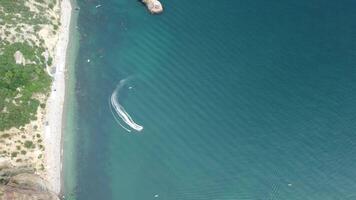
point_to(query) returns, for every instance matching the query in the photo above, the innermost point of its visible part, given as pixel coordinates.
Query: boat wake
(120, 110)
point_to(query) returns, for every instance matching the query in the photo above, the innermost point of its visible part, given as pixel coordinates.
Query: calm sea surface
(239, 100)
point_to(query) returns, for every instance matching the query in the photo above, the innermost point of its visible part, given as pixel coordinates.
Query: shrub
(49, 63)
(29, 144)
(14, 154)
(5, 135)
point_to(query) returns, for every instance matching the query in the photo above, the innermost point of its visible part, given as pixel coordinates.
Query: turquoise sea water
(238, 100)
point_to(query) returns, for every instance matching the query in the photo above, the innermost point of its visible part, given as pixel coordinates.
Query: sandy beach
(53, 126)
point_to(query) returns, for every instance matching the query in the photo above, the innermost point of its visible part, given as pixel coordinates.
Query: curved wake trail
(120, 110)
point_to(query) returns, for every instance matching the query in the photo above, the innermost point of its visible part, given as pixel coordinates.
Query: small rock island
(154, 6)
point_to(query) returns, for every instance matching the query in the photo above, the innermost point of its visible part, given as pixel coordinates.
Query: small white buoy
(156, 195)
(88, 60)
(290, 184)
(98, 6)
(130, 87)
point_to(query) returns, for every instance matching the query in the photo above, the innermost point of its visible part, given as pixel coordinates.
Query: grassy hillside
(19, 84)
(27, 26)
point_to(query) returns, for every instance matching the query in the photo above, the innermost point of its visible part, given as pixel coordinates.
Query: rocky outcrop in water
(154, 6)
(22, 184)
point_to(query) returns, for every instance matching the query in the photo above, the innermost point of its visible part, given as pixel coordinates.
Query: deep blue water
(238, 99)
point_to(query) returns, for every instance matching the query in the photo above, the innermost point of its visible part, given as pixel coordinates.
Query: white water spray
(120, 110)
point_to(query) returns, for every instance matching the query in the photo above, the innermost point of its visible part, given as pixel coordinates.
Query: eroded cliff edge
(21, 183)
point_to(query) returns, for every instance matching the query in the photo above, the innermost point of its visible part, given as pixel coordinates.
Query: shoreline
(68, 122)
(55, 103)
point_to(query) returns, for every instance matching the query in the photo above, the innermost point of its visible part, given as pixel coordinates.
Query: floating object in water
(156, 195)
(130, 87)
(88, 60)
(120, 110)
(98, 6)
(290, 184)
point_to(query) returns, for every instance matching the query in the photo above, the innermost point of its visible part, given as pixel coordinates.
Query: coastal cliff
(27, 47)
(33, 41)
(20, 183)
(154, 6)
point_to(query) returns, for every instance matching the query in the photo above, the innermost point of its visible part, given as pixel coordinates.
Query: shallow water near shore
(238, 100)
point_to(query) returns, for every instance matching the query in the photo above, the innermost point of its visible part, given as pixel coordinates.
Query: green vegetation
(29, 144)
(16, 11)
(19, 83)
(14, 154)
(5, 135)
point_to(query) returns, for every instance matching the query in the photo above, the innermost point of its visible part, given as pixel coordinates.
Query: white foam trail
(120, 110)
(117, 120)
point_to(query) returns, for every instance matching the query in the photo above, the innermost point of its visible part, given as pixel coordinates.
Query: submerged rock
(154, 6)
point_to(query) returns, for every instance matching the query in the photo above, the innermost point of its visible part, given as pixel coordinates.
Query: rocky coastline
(154, 6)
(22, 183)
